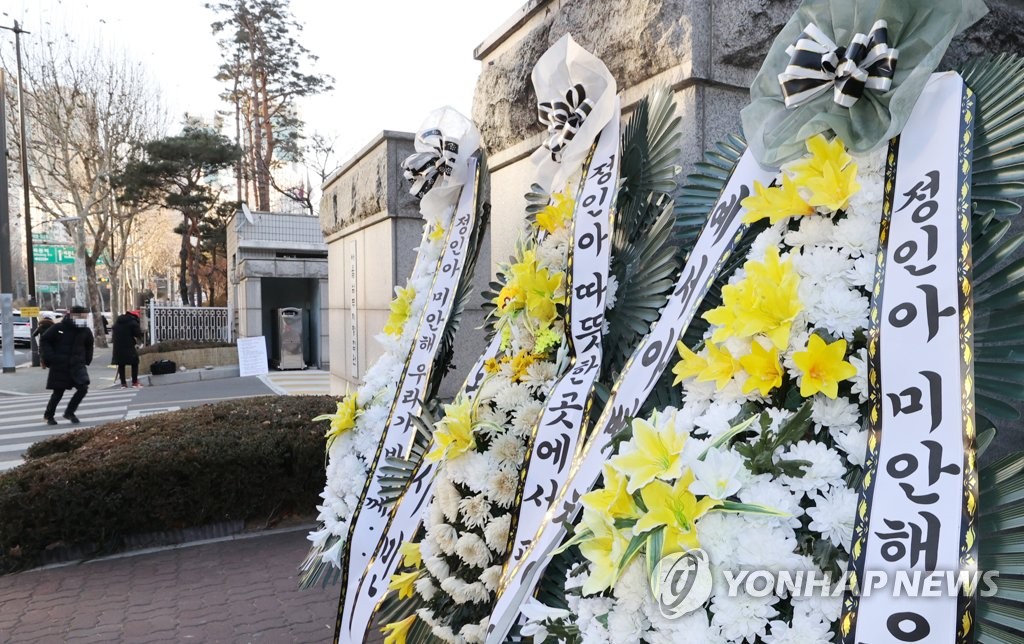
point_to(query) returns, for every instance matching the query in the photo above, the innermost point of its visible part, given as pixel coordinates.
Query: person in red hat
(125, 334)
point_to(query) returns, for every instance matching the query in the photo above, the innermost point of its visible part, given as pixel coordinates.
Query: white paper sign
(252, 356)
(630, 391)
(923, 464)
(374, 537)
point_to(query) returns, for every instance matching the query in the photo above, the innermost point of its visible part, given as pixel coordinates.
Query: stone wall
(192, 358)
(369, 219)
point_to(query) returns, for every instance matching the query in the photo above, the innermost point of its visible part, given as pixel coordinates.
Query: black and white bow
(564, 119)
(423, 169)
(817, 64)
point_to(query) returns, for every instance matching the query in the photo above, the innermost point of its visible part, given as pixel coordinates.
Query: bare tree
(89, 112)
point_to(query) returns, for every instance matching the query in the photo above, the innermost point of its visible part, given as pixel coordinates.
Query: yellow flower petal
(764, 372)
(453, 434)
(397, 632)
(822, 367)
(404, 583)
(656, 453)
(776, 203)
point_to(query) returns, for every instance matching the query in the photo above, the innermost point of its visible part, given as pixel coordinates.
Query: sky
(393, 61)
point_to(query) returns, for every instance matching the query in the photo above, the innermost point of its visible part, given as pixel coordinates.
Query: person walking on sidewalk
(67, 350)
(125, 333)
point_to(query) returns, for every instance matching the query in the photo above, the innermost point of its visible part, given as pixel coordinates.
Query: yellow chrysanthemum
(721, 366)
(520, 363)
(764, 372)
(823, 367)
(342, 420)
(453, 434)
(765, 301)
(656, 453)
(397, 632)
(604, 550)
(557, 214)
(676, 508)
(689, 366)
(401, 307)
(410, 554)
(613, 499)
(775, 202)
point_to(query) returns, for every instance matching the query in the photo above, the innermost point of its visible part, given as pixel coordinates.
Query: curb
(190, 375)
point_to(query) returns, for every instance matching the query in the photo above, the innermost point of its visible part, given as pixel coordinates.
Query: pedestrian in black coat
(125, 333)
(67, 350)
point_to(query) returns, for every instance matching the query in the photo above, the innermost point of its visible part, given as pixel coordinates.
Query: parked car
(22, 329)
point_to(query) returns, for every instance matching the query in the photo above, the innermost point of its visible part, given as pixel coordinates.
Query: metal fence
(199, 323)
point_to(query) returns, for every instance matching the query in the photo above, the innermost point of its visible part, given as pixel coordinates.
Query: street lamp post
(29, 262)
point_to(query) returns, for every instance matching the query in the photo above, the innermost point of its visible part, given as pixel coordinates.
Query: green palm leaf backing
(1001, 548)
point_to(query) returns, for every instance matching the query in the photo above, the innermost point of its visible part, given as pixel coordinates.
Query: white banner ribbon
(638, 377)
(921, 483)
(365, 544)
(564, 418)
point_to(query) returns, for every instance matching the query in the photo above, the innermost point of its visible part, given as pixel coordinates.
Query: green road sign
(53, 254)
(48, 288)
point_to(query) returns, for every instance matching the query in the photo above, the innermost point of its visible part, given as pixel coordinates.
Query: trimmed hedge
(249, 459)
(181, 345)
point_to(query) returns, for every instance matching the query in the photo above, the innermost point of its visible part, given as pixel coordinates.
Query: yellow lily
(410, 552)
(397, 632)
(689, 366)
(775, 202)
(612, 500)
(557, 214)
(676, 508)
(404, 583)
(721, 366)
(764, 372)
(823, 367)
(453, 434)
(604, 550)
(657, 453)
(401, 307)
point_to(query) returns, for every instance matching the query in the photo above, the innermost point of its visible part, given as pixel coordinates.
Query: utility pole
(6, 266)
(29, 259)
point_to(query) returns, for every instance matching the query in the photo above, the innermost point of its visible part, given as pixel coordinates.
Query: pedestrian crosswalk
(298, 383)
(22, 424)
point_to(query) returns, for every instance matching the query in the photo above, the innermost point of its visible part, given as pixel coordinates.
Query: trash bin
(289, 349)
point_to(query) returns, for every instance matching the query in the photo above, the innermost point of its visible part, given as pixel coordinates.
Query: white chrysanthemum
(540, 373)
(698, 395)
(447, 498)
(445, 536)
(502, 485)
(743, 618)
(476, 510)
(718, 474)
(626, 624)
(773, 549)
(426, 588)
(821, 265)
(496, 533)
(470, 469)
(765, 490)
(803, 630)
(857, 235)
(525, 418)
(465, 593)
(591, 618)
(834, 412)
(472, 549)
(507, 450)
(812, 231)
(854, 442)
(821, 604)
(720, 533)
(512, 397)
(826, 466)
(833, 515)
(491, 577)
(840, 309)
(862, 275)
(770, 237)
(860, 380)
(436, 566)
(474, 633)
(493, 386)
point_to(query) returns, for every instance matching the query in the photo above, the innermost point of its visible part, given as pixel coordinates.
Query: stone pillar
(706, 51)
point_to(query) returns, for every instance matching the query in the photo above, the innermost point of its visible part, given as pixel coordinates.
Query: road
(21, 416)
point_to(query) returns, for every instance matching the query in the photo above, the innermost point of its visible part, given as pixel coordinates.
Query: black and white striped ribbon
(564, 119)
(817, 64)
(423, 169)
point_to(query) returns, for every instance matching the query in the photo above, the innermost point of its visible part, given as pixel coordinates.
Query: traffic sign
(29, 311)
(45, 254)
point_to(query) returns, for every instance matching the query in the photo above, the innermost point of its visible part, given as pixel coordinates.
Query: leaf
(655, 544)
(749, 508)
(727, 436)
(632, 550)
(577, 538)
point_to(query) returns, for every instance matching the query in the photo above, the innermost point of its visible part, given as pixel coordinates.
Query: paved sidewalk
(242, 590)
